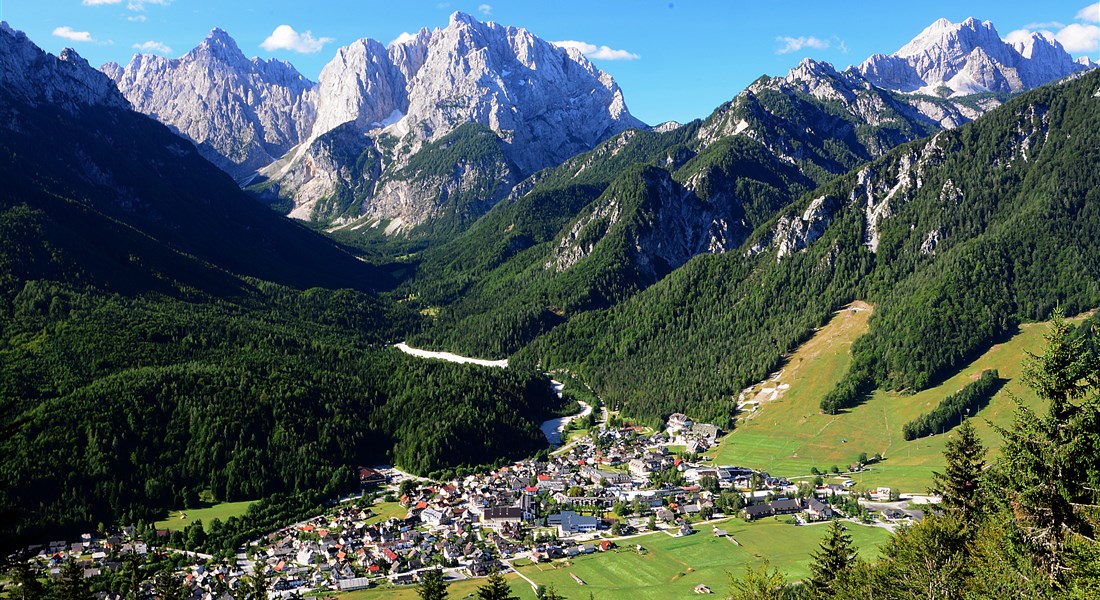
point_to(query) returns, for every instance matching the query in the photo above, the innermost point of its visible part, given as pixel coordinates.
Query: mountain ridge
(951, 59)
(242, 114)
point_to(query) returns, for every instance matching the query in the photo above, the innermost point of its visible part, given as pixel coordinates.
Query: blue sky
(674, 59)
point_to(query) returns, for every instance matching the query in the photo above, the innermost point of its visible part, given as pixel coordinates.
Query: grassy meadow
(789, 435)
(669, 567)
(221, 510)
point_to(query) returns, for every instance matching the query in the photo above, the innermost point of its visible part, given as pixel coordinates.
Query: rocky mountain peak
(544, 101)
(540, 105)
(36, 77)
(241, 113)
(460, 19)
(949, 59)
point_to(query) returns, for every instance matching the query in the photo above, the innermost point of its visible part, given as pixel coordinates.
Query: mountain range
(344, 147)
(162, 332)
(343, 151)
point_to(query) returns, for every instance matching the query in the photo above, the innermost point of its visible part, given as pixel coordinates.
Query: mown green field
(456, 590)
(790, 435)
(384, 511)
(222, 511)
(671, 567)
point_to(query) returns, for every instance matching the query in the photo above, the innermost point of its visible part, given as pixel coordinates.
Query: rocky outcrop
(38, 78)
(659, 224)
(242, 114)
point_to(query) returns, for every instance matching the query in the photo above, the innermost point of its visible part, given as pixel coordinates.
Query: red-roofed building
(370, 477)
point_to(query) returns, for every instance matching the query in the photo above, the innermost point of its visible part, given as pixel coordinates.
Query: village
(599, 491)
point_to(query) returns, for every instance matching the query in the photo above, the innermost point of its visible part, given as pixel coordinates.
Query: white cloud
(99, 2)
(136, 18)
(66, 32)
(285, 38)
(139, 5)
(403, 38)
(794, 44)
(597, 52)
(1076, 38)
(1090, 13)
(1079, 39)
(485, 9)
(152, 46)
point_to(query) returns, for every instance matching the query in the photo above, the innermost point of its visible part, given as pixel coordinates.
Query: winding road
(552, 428)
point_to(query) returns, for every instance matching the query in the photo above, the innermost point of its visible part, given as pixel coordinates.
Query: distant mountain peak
(219, 45)
(66, 80)
(460, 18)
(966, 58)
(242, 113)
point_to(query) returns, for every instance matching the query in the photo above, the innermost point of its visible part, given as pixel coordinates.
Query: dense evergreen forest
(125, 406)
(1010, 200)
(493, 287)
(163, 334)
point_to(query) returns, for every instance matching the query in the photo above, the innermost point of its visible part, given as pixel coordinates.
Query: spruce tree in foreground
(432, 586)
(72, 585)
(24, 578)
(835, 556)
(1051, 473)
(496, 588)
(958, 484)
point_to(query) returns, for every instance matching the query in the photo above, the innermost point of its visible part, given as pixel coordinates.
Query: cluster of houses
(538, 510)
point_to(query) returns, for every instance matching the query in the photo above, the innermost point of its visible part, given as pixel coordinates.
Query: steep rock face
(64, 81)
(241, 113)
(363, 84)
(546, 102)
(954, 59)
(543, 103)
(657, 223)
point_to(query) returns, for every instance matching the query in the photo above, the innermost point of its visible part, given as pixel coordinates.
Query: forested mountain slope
(615, 220)
(162, 334)
(955, 239)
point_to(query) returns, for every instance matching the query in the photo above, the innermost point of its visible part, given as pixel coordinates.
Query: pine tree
(25, 580)
(432, 586)
(72, 585)
(1050, 467)
(258, 585)
(763, 584)
(548, 593)
(958, 484)
(495, 588)
(132, 577)
(836, 554)
(166, 586)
